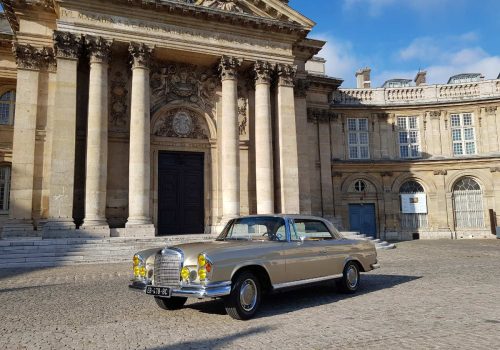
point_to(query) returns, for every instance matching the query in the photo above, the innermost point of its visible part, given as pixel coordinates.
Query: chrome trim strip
(303, 282)
(214, 290)
(375, 266)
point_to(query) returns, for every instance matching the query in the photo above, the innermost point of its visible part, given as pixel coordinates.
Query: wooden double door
(181, 207)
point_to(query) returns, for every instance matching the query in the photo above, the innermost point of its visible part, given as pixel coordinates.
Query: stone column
(287, 141)
(29, 61)
(97, 136)
(263, 139)
(60, 216)
(303, 146)
(140, 162)
(229, 133)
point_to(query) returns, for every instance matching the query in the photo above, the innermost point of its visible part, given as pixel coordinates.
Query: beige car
(253, 255)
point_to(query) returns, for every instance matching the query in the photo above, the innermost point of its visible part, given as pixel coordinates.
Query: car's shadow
(310, 296)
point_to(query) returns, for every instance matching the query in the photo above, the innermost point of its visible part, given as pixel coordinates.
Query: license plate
(159, 291)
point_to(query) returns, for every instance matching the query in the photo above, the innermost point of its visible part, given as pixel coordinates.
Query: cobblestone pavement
(427, 295)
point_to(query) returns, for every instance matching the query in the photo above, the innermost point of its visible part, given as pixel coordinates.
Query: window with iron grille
(7, 107)
(409, 141)
(413, 221)
(463, 134)
(468, 204)
(4, 188)
(358, 138)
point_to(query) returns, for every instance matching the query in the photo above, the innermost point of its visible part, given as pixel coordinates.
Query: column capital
(228, 67)
(99, 49)
(32, 58)
(67, 45)
(140, 54)
(301, 88)
(262, 71)
(286, 74)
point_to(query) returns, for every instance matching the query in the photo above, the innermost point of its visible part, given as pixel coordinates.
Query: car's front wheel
(350, 278)
(174, 303)
(244, 300)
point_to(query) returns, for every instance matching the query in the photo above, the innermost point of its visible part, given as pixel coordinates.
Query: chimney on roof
(363, 78)
(421, 78)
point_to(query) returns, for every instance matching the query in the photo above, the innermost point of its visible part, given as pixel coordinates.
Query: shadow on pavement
(311, 296)
(213, 343)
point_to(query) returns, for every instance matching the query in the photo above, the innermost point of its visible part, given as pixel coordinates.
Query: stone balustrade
(418, 94)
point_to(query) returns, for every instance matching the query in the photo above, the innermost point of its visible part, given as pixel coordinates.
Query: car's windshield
(255, 228)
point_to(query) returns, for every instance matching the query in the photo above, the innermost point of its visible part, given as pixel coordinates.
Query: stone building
(411, 160)
(163, 117)
(136, 118)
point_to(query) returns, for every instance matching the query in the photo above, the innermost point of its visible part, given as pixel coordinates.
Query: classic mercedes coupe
(252, 256)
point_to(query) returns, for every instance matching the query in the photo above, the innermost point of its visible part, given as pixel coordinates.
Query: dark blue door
(362, 219)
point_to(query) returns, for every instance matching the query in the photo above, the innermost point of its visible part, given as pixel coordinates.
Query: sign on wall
(414, 203)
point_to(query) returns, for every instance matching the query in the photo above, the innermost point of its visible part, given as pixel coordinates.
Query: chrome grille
(167, 268)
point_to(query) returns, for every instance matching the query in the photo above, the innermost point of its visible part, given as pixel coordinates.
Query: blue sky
(396, 38)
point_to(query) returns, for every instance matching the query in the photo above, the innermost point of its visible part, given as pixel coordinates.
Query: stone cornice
(263, 72)
(99, 49)
(228, 67)
(10, 6)
(235, 18)
(286, 74)
(324, 82)
(67, 45)
(140, 55)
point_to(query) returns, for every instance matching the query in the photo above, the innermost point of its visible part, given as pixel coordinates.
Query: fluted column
(97, 135)
(139, 162)
(60, 216)
(229, 134)
(263, 139)
(288, 177)
(29, 62)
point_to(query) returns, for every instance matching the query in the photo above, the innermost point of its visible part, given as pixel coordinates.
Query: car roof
(290, 216)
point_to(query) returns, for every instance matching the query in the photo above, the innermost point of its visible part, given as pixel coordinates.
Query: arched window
(413, 206)
(468, 204)
(7, 107)
(4, 188)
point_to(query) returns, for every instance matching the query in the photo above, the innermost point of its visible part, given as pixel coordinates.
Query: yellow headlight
(202, 260)
(143, 272)
(137, 271)
(136, 260)
(185, 273)
(202, 273)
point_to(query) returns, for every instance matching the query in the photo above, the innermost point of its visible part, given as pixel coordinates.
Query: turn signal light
(208, 267)
(136, 260)
(202, 260)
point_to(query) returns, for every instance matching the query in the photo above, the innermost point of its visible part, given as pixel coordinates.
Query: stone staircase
(37, 252)
(379, 244)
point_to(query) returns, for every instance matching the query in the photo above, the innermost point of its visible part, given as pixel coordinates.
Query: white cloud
(340, 57)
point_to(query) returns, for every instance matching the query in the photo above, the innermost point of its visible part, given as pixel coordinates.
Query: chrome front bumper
(213, 290)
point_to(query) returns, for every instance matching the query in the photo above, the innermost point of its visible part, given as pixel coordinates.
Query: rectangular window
(4, 188)
(462, 134)
(409, 141)
(358, 138)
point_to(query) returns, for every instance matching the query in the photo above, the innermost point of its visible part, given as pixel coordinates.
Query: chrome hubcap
(248, 295)
(352, 276)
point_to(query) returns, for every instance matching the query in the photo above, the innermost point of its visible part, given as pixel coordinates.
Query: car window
(255, 228)
(310, 230)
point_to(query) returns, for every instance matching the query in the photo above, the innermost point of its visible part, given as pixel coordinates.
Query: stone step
(379, 244)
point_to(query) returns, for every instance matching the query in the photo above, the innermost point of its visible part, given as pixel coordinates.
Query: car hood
(219, 250)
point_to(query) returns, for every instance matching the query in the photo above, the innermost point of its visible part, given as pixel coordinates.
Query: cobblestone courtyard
(427, 295)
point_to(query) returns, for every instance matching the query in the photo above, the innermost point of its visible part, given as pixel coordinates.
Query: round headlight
(143, 272)
(185, 273)
(136, 260)
(137, 271)
(202, 273)
(202, 260)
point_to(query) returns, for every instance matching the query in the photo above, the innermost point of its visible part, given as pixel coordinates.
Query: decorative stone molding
(301, 88)
(224, 5)
(263, 71)
(180, 123)
(490, 110)
(441, 172)
(228, 67)
(118, 119)
(386, 174)
(67, 45)
(32, 58)
(435, 114)
(316, 115)
(182, 82)
(140, 55)
(99, 49)
(286, 74)
(242, 115)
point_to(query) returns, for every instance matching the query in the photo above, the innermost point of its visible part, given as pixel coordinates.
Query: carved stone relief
(180, 82)
(225, 5)
(242, 115)
(180, 123)
(118, 117)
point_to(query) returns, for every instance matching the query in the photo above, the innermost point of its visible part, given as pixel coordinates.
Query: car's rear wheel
(350, 278)
(174, 303)
(244, 300)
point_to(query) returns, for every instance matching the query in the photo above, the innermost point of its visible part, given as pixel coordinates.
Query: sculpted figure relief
(226, 5)
(179, 123)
